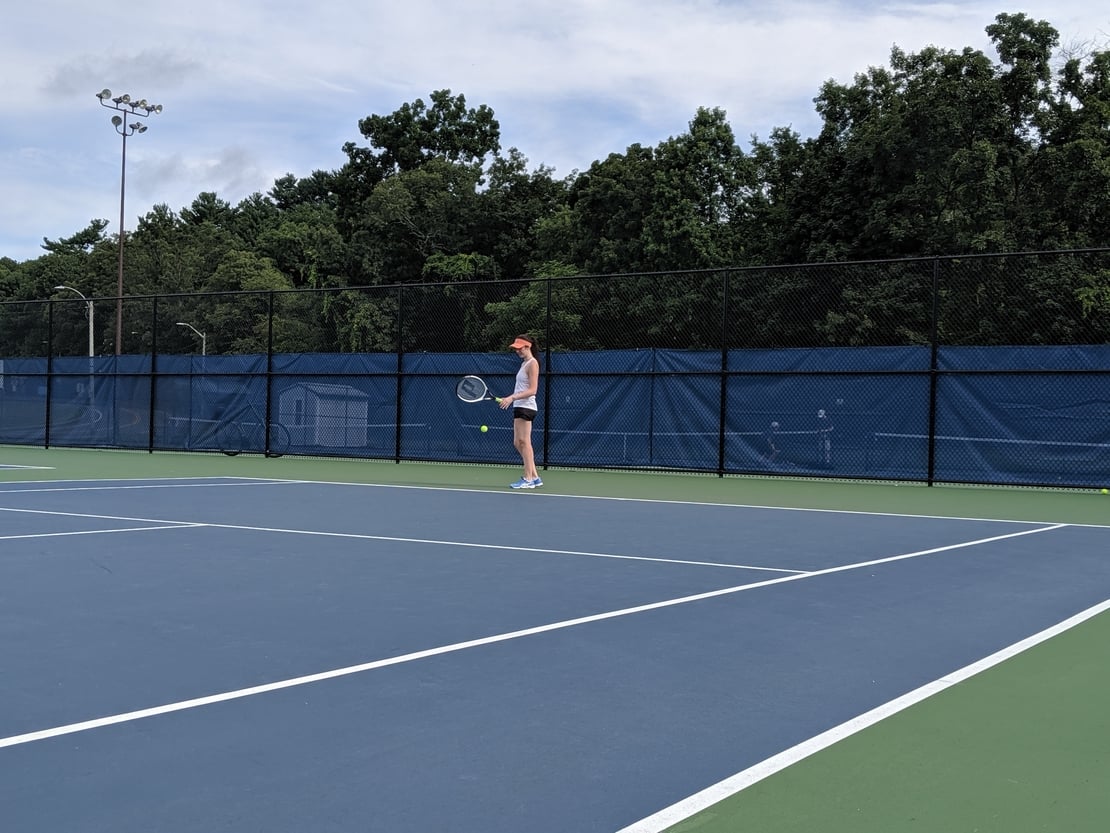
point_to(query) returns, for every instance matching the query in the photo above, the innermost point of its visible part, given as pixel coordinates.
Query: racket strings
(471, 388)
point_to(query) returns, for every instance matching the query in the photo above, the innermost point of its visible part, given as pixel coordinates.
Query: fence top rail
(938, 258)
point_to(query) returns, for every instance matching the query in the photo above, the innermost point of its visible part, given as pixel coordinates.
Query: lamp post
(141, 109)
(203, 337)
(89, 313)
(92, 342)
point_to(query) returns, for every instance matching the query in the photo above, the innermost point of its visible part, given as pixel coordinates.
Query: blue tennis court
(230, 654)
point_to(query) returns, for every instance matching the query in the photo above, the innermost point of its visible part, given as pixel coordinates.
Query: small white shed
(325, 415)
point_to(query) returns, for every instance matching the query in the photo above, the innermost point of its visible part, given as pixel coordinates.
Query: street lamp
(141, 109)
(203, 337)
(89, 313)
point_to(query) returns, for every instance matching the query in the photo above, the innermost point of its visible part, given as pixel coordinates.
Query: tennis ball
(485, 428)
(1104, 491)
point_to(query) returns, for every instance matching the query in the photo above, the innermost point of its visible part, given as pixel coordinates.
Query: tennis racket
(473, 389)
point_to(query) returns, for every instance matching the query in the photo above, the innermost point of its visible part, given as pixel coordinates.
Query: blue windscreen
(990, 415)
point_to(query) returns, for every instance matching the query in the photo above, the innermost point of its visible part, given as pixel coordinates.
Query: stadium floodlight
(142, 109)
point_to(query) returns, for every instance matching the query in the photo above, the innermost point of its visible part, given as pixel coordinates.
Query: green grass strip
(1021, 748)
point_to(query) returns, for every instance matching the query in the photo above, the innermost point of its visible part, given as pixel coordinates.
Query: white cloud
(253, 90)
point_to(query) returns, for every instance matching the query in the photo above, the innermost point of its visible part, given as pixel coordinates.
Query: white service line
(96, 531)
(158, 524)
(99, 517)
(170, 524)
(118, 488)
(509, 548)
(182, 705)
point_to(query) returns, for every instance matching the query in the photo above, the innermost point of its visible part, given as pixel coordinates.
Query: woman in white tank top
(523, 402)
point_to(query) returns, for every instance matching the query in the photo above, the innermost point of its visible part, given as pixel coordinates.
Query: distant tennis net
(690, 449)
(971, 458)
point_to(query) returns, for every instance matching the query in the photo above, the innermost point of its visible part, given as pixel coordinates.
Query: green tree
(699, 195)
(511, 208)
(419, 213)
(363, 320)
(253, 217)
(417, 133)
(609, 202)
(770, 235)
(304, 244)
(169, 254)
(239, 318)
(316, 189)
(527, 311)
(208, 208)
(1073, 173)
(445, 131)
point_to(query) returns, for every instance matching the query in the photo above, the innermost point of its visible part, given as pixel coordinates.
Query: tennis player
(773, 443)
(523, 402)
(824, 442)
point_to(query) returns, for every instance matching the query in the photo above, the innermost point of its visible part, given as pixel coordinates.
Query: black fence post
(267, 447)
(930, 474)
(398, 411)
(152, 399)
(547, 376)
(49, 370)
(724, 376)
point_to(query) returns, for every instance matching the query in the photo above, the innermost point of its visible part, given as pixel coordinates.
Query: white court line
(149, 486)
(682, 810)
(402, 540)
(100, 517)
(539, 493)
(250, 481)
(182, 705)
(173, 524)
(95, 532)
(172, 479)
(160, 524)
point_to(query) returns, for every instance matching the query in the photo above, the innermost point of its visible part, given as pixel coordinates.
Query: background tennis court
(200, 642)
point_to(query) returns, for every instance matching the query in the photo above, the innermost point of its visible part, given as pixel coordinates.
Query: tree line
(942, 152)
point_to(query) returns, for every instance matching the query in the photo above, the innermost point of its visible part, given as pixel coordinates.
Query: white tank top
(521, 385)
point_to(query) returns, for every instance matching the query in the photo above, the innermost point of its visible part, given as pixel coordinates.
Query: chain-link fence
(990, 369)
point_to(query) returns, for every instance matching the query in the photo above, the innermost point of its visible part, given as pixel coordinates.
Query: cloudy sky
(255, 89)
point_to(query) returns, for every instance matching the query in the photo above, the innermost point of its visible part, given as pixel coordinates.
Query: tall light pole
(141, 109)
(89, 313)
(203, 337)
